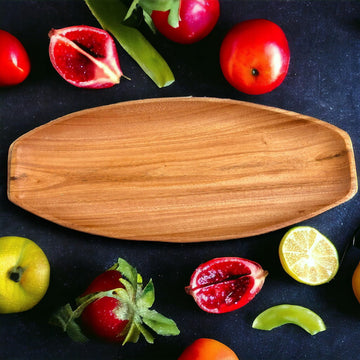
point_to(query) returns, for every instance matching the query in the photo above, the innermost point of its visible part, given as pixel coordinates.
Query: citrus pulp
(308, 256)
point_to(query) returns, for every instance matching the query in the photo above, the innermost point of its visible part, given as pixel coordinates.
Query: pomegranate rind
(226, 284)
(85, 56)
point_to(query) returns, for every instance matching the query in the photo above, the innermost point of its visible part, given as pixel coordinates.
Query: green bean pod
(111, 14)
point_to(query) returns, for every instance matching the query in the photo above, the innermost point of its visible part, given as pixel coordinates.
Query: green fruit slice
(289, 314)
(308, 256)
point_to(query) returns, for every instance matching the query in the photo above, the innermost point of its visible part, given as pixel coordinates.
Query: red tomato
(197, 19)
(255, 56)
(14, 60)
(208, 349)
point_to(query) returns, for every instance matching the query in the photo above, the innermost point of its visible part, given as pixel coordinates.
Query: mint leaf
(111, 16)
(159, 323)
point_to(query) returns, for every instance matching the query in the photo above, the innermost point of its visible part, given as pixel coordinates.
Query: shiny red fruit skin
(14, 60)
(99, 317)
(255, 56)
(225, 284)
(197, 19)
(85, 56)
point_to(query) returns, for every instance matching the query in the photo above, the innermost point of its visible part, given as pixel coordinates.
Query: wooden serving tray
(181, 169)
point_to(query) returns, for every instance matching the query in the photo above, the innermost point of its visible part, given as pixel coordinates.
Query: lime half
(308, 256)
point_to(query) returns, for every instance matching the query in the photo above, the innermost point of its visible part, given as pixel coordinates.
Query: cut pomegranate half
(85, 56)
(225, 284)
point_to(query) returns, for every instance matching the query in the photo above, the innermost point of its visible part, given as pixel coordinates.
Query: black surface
(323, 82)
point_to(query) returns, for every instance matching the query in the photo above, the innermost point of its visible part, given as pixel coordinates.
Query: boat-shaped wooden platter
(181, 169)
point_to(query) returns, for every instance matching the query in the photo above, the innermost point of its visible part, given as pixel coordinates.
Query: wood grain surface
(181, 169)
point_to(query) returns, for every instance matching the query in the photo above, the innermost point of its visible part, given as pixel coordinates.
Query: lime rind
(279, 315)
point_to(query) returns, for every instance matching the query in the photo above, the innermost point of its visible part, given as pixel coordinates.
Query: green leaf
(146, 297)
(146, 333)
(131, 9)
(127, 271)
(62, 317)
(120, 294)
(149, 22)
(173, 18)
(133, 334)
(129, 289)
(65, 319)
(111, 14)
(159, 323)
(75, 333)
(159, 5)
(173, 6)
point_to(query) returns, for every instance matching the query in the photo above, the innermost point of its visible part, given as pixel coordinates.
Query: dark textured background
(323, 82)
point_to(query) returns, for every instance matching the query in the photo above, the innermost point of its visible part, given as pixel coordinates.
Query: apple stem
(15, 273)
